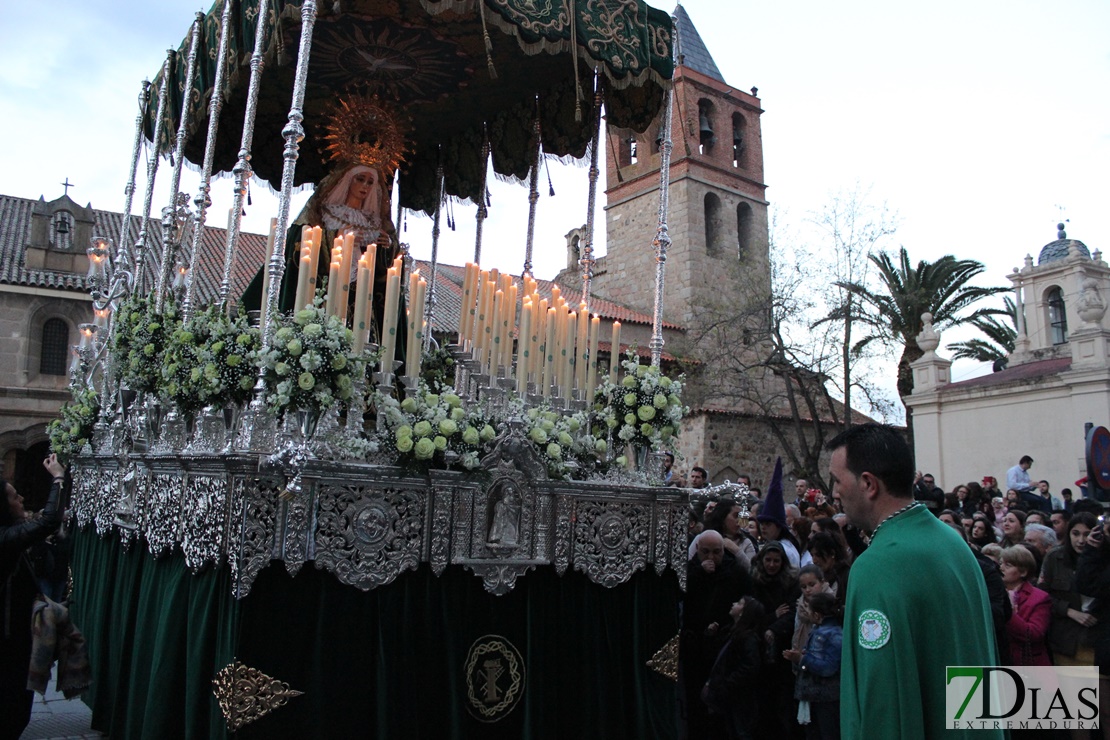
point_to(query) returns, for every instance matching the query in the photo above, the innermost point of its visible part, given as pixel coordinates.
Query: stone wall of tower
(717, 219)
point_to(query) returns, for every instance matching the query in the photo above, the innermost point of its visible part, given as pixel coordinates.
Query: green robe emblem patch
(874, 629)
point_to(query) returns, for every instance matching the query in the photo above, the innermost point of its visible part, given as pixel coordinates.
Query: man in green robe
(916, 603)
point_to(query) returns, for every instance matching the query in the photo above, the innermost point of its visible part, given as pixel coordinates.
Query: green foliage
(74, 425)
(139, 338)
(892, 315)
(1000, 340)
(210, 360)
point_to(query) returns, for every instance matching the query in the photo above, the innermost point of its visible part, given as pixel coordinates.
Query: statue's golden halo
(362, 131)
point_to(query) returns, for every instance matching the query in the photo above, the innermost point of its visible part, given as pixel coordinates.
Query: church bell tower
(717, 217)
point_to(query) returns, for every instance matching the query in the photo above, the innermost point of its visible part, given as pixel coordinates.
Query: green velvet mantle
(388, 663)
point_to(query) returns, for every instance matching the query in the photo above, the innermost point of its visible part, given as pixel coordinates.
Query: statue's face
(361, 185)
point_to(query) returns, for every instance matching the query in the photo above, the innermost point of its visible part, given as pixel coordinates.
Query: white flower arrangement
(210, 360)
(644, 409)
(309, 364)
(426, 429)
(562, 439)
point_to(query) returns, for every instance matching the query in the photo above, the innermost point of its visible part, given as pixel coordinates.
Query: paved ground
(55, 718)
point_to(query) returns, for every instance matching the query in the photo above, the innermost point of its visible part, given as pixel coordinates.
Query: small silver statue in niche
(504, 528)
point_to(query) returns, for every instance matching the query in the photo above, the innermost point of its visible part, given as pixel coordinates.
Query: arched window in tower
(1057, 316)
(706, 135)
(61, 235)
(737, 140)
(55, 347)
(713, 225)
(621, 146)
(743, 230)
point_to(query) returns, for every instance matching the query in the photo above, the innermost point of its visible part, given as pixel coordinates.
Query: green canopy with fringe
(429, 60)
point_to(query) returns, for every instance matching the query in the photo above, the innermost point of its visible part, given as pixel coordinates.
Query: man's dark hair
(881, 451)
(1024, 459)
(703, 471)
(670, 456)
(1065, 492)
(1043, 481)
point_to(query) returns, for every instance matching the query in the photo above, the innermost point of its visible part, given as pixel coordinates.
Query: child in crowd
(818, 685)
(812, 581)
(730, 691)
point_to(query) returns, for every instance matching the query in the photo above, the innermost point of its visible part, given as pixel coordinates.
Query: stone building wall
(730, 445)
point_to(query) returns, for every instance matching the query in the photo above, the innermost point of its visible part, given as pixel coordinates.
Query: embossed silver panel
(611, 540)
(368, 538)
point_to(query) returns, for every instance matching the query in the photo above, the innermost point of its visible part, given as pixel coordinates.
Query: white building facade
(1056, 381)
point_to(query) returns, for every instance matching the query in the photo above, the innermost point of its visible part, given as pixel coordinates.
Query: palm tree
(998, 345)
(892, 315)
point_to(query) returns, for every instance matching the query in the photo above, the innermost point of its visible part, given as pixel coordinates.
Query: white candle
(615, 352)
(389, 320)
(591, 374)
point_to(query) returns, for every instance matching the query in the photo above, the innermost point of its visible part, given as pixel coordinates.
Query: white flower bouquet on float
(432, 430)
(139, 339)
(309, 365)
(72, 430)
(643, 410)
(565, 442)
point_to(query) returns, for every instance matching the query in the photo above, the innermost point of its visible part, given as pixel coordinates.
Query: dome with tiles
(1061, 248)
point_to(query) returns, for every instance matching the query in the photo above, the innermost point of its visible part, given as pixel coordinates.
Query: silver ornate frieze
(564, 513)
(254, 532)
(163, 527)
(296, 510)
(440, 532)
(368, 537)
(367, 524)
(205, 520)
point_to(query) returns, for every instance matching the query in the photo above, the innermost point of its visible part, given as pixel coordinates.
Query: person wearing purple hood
(772, 519)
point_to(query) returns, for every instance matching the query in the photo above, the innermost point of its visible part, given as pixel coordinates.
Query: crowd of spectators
(766, 579)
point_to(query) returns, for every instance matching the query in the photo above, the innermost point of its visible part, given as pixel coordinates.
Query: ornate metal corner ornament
(246, 694)
(665, 660)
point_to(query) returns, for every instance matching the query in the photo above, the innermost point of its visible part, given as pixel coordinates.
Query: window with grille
(1057, 316)
(55, 347)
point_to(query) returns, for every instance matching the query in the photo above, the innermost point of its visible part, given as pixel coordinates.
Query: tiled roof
(691, 48)
(1018, 373)
(449, 279)
(15, 232)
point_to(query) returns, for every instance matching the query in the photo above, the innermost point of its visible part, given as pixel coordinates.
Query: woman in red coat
(1032, 614)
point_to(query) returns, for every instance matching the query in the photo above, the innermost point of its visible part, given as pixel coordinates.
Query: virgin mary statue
(354, 197)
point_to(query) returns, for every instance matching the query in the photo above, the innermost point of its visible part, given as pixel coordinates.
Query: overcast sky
(973, 119)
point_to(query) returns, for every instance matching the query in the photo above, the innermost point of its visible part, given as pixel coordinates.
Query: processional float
(228, 449)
